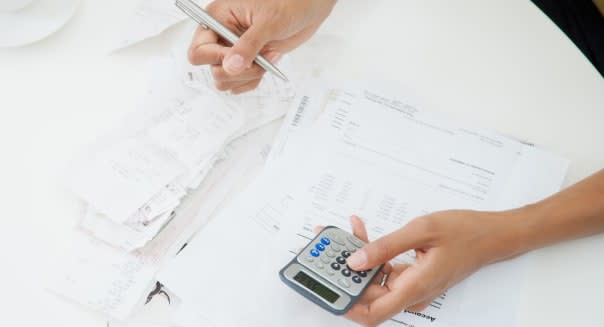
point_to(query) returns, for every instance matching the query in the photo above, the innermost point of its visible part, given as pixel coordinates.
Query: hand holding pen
(270, 28)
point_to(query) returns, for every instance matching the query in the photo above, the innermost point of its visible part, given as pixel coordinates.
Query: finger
(388, 274)
(371, 293)
(387, 269)
(375, 289)
(390, 303)
(400, 268)
(251, 74)
(389, 246)
(243, 52)
(420, 306)
(358, 228)
(246, 87)
(228, 86)
(204, 49)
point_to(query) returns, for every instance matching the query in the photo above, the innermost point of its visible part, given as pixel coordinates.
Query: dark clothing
(582, 22)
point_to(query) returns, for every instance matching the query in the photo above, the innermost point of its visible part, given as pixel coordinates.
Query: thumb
(242, 54)
(386, 248)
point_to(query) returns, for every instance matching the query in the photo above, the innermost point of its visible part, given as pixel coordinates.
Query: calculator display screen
(316, 287)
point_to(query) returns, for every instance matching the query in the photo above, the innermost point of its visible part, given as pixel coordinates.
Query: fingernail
(234, 63)
(357, 259)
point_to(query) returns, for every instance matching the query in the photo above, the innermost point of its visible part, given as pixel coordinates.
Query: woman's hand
(268, 27)
(449, 246)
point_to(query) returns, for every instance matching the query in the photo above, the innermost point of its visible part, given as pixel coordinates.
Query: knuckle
(192, 55)
(246, 88)
(371, 322)
(256, 83)
(254, 43)
(257, 71)
(425, 224)
(222, 86)
(383, 250)
(218, 73)
(213, 7)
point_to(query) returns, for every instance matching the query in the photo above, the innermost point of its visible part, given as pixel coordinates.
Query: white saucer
(35, 22)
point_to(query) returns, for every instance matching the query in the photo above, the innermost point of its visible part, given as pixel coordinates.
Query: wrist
(512, 233)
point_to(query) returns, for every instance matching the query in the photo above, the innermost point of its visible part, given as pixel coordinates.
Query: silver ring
(384, 279)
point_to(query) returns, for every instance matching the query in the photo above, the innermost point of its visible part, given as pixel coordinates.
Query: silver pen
(190, 8)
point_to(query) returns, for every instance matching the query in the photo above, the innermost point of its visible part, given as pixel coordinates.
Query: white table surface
(495, 64)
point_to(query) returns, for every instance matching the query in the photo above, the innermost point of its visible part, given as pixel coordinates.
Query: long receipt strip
(358, 150)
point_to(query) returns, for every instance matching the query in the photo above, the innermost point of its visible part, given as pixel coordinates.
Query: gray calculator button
(351, 247)
(330, 272)
(319, 265)
(330, 254)
(339, 239)
(309, 259)
(344, 283)
(355, 241)
(357, 279)
(325, 259)
(336, 247)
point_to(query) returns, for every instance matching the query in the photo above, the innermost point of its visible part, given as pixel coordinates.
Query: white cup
(13, 5)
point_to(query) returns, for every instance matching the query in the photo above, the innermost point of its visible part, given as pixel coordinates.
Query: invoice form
(387, 161)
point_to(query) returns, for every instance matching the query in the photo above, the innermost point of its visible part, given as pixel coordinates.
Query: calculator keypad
(327, 255)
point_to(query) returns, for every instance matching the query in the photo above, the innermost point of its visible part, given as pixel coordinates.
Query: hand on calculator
(346, 274)
(449, 246)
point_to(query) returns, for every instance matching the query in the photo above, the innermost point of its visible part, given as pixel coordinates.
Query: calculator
(319, 272)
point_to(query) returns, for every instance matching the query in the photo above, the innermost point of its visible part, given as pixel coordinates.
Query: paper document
(375, 155)
(150, 18)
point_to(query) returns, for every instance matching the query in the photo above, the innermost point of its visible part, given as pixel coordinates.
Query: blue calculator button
(325, 241)
(315, 253)
(320, 247)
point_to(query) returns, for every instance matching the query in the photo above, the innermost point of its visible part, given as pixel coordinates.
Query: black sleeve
(582, 22)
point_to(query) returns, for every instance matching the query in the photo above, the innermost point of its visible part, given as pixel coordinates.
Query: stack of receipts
(358, 148)
(134, 181)
(150, 184)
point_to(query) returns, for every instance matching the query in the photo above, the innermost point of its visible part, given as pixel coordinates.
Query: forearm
(575, 212)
